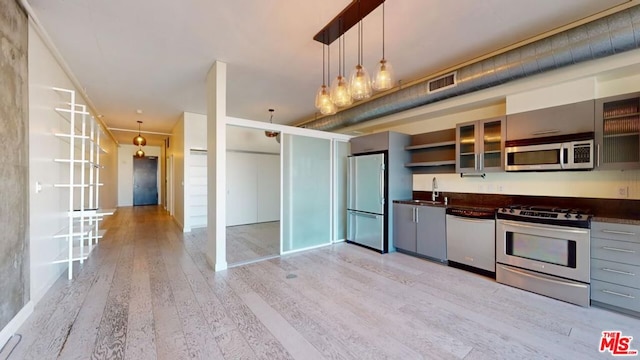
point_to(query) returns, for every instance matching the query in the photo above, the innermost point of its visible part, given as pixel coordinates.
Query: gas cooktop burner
(547, 214)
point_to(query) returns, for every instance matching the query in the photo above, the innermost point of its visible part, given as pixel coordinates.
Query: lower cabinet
(421, 230)
(615, 266)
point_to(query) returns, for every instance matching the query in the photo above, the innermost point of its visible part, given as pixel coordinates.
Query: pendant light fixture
(139, 140)
(323, 96)
(340, 91)
(269, 133)
(139, 153)
(359, 81)
(384, 73)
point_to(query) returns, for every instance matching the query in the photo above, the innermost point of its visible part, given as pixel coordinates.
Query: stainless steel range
(544, 250)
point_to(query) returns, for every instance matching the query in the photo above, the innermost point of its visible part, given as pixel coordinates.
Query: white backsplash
(593, 184)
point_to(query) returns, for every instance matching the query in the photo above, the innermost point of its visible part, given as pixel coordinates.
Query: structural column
(216, 251)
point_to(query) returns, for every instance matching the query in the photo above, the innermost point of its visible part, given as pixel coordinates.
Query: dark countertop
(616, 220)
(420, 203)
(621, 211)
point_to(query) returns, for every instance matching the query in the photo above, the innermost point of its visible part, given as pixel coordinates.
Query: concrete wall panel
(14, 162)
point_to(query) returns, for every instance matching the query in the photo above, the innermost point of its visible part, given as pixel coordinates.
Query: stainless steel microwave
(549, 156)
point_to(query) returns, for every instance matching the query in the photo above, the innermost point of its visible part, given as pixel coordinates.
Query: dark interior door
(145, 181)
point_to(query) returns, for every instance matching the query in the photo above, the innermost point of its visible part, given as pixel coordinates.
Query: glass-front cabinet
(618, 132)
(480, 146)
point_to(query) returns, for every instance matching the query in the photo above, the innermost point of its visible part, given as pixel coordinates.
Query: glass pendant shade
(323, 101)
(139, 153)
(340, 92)
(384, 76)
(322, 97)
(360, 83)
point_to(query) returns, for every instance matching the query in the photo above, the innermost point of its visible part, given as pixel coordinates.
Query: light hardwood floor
(250, 242)
(147, 292)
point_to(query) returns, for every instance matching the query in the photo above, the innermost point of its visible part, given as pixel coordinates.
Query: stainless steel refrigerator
(376, 177)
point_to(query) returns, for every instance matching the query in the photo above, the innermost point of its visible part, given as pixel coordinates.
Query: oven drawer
(624, 232)
(616, 295)
(616, 273)
(613, 250)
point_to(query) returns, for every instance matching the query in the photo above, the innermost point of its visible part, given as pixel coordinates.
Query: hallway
(148, 293)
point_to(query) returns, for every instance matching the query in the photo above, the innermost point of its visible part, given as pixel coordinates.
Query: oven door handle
(471, 219)
(541, 277)
(532, 227)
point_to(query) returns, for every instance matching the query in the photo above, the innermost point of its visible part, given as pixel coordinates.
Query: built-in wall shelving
(82, 134)
(197, 188)
(618, 132)
(433, 152)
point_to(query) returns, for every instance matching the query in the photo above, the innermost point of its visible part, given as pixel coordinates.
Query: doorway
(145, 180)
(169, 184)
(253, 195)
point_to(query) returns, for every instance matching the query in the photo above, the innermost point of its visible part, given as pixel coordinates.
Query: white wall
(49, 207)
(125, 172)
(253, 176)
(244, 139)
(176, 149)
(190, 132)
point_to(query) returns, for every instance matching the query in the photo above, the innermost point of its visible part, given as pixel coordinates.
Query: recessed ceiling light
(138, 111)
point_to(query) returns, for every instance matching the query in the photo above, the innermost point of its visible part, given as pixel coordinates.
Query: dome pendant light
(323, 97)
(269, 133)
(139, 140)
(139, 153)
(359, 80)
(340, 90)
(384, 74)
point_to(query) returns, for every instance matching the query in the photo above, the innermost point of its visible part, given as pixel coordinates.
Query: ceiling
(154, 55)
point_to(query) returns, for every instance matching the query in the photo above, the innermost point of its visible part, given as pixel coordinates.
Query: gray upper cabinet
(480, 146)
(370, 143)
(558, 120)
(618, 132)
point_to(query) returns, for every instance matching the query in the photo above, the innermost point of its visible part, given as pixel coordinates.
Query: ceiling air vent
(443, 82)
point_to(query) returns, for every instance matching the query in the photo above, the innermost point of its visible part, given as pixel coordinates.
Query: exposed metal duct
(606, 36)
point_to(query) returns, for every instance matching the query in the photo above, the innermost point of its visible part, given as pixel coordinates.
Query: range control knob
(579, 216)
(567, 215)
(512, 211)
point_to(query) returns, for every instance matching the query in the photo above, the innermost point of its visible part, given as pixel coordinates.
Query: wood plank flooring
(148, 293)
(250, 242)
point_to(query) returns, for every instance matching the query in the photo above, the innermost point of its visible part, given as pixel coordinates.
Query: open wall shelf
(433, 152)
(82, 135)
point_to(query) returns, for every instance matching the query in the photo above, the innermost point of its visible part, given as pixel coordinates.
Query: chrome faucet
(434, 187)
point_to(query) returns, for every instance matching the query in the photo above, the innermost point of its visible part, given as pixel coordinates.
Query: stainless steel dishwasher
(471, 239)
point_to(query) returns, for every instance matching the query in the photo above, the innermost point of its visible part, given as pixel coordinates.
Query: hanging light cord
(343, 52)
(383, 30)
(323, 56)
(329, 64)
(360, 30)
(340, 49)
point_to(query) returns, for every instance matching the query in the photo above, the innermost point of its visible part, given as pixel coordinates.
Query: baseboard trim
(175, 219)
(15, 323)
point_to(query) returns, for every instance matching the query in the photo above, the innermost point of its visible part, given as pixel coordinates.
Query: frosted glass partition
(340, 153)
(306, 188)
